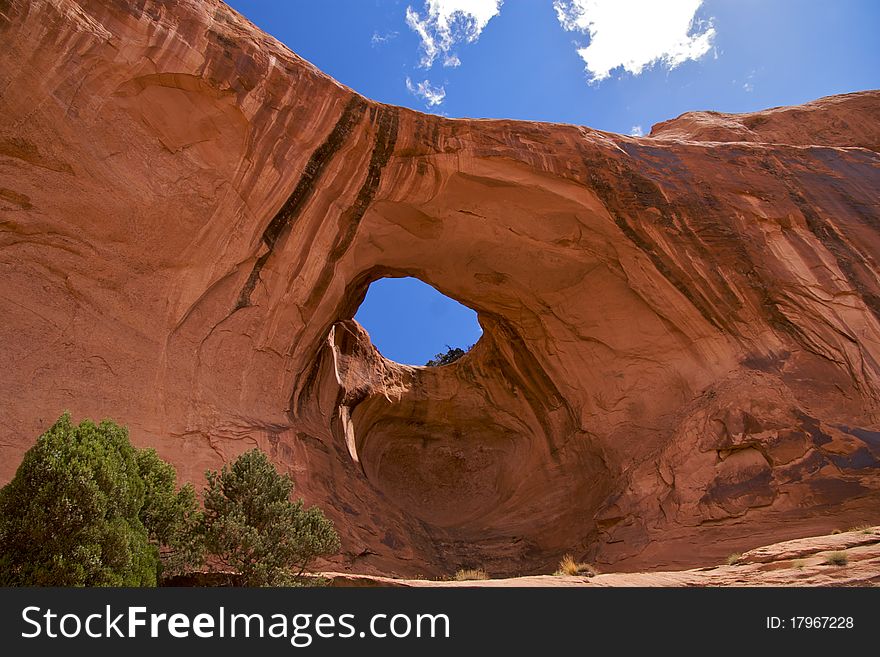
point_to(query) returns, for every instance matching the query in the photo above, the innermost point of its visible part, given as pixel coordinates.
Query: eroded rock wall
(681, 338)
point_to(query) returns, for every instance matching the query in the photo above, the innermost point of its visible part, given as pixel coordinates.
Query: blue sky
(411, 322)
(617, 65)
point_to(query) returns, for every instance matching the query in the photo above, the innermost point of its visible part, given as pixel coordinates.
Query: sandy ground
(800, 562)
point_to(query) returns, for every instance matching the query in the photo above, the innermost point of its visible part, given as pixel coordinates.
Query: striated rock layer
(681, 338)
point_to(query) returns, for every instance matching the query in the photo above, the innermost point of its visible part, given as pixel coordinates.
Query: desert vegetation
(568, 566)
(252, 527)
(838, 558)
(72, 515)
(469, 574)
(86, 508)
(451, 355)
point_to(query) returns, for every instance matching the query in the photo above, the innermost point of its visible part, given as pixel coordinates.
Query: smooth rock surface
(681, 338)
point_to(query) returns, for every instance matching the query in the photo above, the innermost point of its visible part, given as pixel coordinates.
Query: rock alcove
(490, 488)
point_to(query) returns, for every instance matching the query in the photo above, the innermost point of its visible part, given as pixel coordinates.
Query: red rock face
(681, 338)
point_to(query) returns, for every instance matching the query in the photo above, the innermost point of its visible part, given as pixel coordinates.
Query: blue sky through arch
(410, 322)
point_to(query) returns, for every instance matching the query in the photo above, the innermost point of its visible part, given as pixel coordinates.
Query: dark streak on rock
(866, 436)
(834, 491)
(386, 137)
(386, 120)
(647, 194)
(812, 426)
(846, 256)
(280, 224)
(801, 470)
(860, 459)
(754, 488)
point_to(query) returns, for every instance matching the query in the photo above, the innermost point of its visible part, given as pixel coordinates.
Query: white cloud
(378, 39)
(636, 131)
(635, 33)
(448, 22)
(426, 91)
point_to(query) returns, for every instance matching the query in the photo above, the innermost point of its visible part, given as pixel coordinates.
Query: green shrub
(70, 516)
(252, 526)
(733, 559)
(451, 355)
(172, 516)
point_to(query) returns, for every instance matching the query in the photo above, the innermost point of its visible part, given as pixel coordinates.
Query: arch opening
(412, 323)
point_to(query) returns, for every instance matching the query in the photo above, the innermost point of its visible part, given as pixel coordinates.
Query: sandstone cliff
(681, 337)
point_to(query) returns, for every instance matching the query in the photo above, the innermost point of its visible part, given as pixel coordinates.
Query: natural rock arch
(681, 335)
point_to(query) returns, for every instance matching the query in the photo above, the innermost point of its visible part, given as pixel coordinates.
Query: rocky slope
(681, 337)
